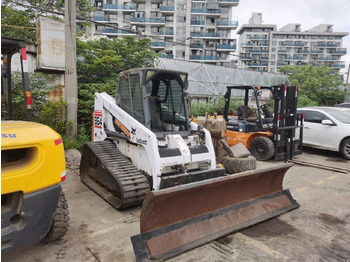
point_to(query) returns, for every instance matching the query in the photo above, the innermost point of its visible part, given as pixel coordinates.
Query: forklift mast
(9, 47)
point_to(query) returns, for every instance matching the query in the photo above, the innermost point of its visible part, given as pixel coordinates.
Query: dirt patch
(330, 219)
(224, 240)
(271, 228)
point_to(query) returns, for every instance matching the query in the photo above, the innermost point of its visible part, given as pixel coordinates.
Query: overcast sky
(308, 13)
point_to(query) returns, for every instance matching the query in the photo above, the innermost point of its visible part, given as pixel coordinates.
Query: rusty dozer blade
(175, 220)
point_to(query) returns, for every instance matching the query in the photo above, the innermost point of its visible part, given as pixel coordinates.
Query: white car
(327, 128)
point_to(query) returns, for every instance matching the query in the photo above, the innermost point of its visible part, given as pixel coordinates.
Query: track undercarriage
(112, 176)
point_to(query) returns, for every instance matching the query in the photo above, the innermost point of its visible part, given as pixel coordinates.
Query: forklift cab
(248, 120)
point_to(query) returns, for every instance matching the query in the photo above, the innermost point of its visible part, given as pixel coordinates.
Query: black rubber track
(106, 171)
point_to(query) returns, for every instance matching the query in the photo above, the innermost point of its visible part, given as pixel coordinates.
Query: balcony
(207, 12)
(120, 32)
(197, 22)
(115, 8)
(227, 24)
(317, 52)
(338, 65)
(340, 51)
(226, 47)
(144, 20)
(304, 52)
(247, 44)
(282, 51)
(157, 45)
(257, 64)
(258, 37)
(166, 33)
(228, 2)
(170, 56)
(299, 58)
(205, 58)
(328, 45)
(205, 35)
(245, 58)
(167, 9)
(100, 18)
(259, 51)
(196, 46)
(326, 59)
(294, 44)
(152, 1)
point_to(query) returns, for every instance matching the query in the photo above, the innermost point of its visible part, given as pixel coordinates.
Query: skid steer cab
(33, 206)
(147, 151)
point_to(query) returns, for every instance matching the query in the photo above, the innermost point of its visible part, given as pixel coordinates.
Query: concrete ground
(317, 231)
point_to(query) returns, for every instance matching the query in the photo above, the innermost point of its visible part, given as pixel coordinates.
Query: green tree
(39, 87)
(99, 63)
(317, 85)
(18, 17)
(218, 107)
(18, 24)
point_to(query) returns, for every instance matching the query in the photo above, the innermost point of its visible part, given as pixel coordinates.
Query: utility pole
(70, 75)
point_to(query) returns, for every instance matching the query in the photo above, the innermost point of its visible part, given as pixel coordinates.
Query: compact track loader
(146, 150)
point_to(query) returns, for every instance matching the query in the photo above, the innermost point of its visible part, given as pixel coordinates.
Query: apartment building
(192, 30)
(264, 48)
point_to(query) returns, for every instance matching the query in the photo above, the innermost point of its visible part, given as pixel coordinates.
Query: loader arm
(134, 131)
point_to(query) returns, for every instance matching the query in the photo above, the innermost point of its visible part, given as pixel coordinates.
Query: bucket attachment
(175, 220)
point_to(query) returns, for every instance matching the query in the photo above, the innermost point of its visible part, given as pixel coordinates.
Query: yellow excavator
(145, 150)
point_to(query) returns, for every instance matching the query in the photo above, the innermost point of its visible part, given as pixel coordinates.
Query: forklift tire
(345, 148)
(262, 148)
(60, 222)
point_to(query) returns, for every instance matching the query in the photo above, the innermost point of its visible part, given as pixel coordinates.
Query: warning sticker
(98, 119)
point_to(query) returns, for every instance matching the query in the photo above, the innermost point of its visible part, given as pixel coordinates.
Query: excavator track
(106, 171)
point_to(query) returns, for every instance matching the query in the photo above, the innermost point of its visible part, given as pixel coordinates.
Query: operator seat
(244, 114)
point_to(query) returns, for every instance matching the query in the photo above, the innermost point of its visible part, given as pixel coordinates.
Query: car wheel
(345, 148)
(262, 148)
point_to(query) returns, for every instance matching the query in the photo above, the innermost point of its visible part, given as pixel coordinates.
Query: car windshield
(342, 116)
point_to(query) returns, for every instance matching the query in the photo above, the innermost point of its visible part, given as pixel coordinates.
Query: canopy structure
(206, 80)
